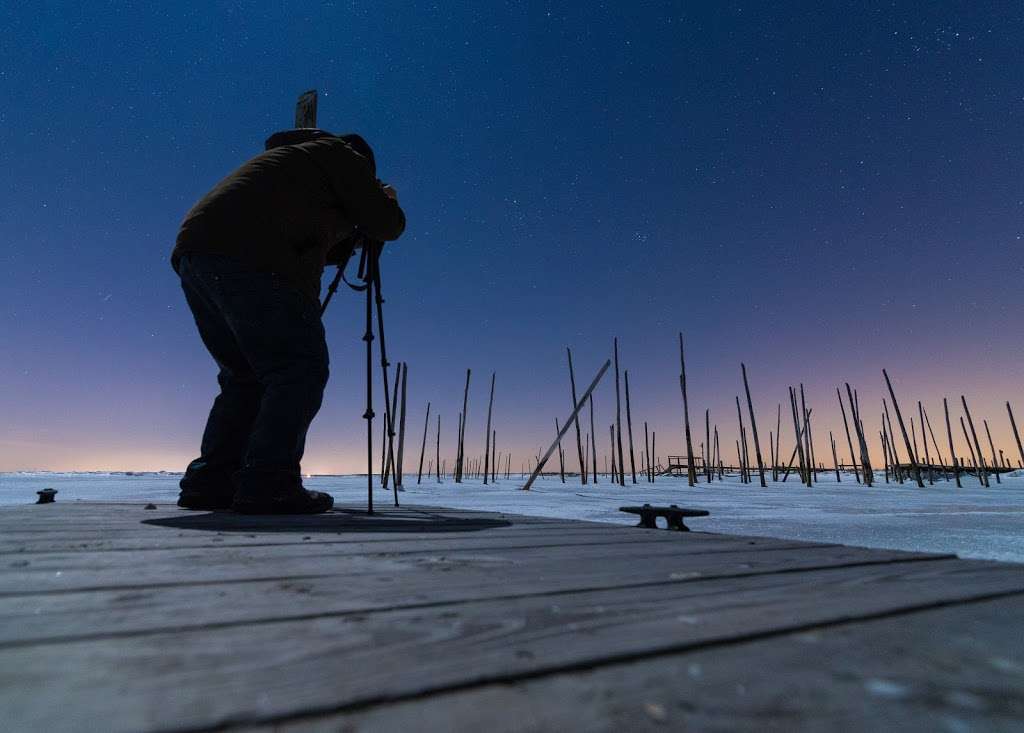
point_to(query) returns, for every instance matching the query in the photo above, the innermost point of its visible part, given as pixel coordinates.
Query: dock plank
(171, 620)
(366, 658)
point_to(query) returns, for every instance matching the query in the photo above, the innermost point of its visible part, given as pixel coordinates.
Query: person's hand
(390, 192)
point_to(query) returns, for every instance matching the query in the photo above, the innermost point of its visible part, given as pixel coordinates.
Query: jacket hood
(306, 134)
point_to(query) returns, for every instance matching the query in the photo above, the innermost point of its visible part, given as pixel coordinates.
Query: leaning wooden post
(952, 450)
(707, 442)
(865, 461)
(935, 445)
(437, 458)
(778, 431)
(654, 455)
(892, 443)
(615, 468)
(924, 438)
(903, 428)
(1016, 435)
(423, 447)
(992, 447)
(691, 474)
(593, 442)
(743, 442)
(753, 426)
(974, 457)
(565, 428)
(487, 438)
(494, 456)
(797, 433)
(983, 474)
(835, 458)
(462, 432)
(807, 437)
(618, 418)
(629, 428)
(849, 441)
(647, 451)
(579, 442)
(561, 453)
(400, 465)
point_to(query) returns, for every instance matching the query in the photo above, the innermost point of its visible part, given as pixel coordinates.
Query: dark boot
(260, 491)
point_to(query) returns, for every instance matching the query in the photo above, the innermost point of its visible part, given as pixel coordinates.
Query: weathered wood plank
(369, 584)
(886, 674)
(254, 674)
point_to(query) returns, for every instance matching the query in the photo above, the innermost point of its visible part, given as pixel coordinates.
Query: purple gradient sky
(819, 191)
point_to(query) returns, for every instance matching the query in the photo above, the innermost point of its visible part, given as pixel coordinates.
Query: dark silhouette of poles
(924, 439)
(629, 429)
(903, 429)
(835, 458)
(561, 453)
(654, 454)
(983, 474)
(1016, 435)
(423, 447)
(952, 450)
(865, 461)
(753, 426)
(593, 441)
(992, 447)
(437, 457)
(575, 404)
(586, 396)
(970, 448)
(707, 443)
(400, 465)
(935, 445)
(615, 468)
(691, 473)
(892, 444)
(741, 453)
(849, 441)
(799, 438)
(618, 419)
(778, 431)
(461, 456)
(487, 438)
(647, 454)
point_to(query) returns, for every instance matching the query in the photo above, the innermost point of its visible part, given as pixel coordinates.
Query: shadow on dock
(338, 521)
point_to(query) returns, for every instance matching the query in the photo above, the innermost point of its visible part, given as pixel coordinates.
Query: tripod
(369, 273)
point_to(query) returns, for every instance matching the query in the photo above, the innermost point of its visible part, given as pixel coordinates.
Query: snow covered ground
(972, 522)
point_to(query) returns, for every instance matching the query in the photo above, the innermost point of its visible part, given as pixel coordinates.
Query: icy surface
(971, 522)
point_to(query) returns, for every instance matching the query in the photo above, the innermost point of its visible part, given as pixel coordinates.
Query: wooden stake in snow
(423, 447)
(1016, 435)
(707, 443)
(865, 461)
(974, 456)
(983, 474)
(992, 447)
(462, 432)
(849, 441)
(691, 473)
(575, 412)
(575, 404)
(647, 453)
(903, 429)
(487, 438)
(952, 450)
(924, 438)
(778, 430)
(561, 453)
(629, 428)
(753, 425)
(935, 444)
(835, 458)
(618, 420)
(593, 440)
(437, 461)
(400, 466)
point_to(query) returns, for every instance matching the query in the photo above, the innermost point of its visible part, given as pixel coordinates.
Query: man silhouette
(250, 255)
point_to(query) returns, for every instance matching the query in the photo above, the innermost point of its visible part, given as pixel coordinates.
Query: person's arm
(365, 201)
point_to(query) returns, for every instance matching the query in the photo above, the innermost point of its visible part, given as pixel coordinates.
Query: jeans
(268, 341)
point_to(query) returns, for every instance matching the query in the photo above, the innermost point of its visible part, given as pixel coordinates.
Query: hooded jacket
(284, 210)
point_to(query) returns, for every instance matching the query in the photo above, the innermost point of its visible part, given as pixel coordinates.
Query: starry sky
(818, 190)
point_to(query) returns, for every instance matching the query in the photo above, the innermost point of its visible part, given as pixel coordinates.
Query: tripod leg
(368, 338)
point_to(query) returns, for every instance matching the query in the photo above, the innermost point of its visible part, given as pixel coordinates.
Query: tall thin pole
(753, 426)
(575, 404)
(903, 428)
(707, 443)
(992, 447)
(924, 438)
(561, 453)
(423, 447)
(983, 474)
(462, 431)
(487, 439)
(400, 465)
(691, 474)
(647, 454)
(629, 428)
(618, 417)
(437, 457)
(778, 431)
(952, 450)
(1016, 435)
(593, 441)
(849, 441)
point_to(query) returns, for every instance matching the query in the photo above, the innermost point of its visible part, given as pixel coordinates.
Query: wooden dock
(120, 618)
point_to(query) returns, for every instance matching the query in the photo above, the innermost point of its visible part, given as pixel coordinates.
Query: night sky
(819, 190)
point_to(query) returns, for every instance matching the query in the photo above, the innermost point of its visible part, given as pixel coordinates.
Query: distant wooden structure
(118, 617)
(679, 466)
